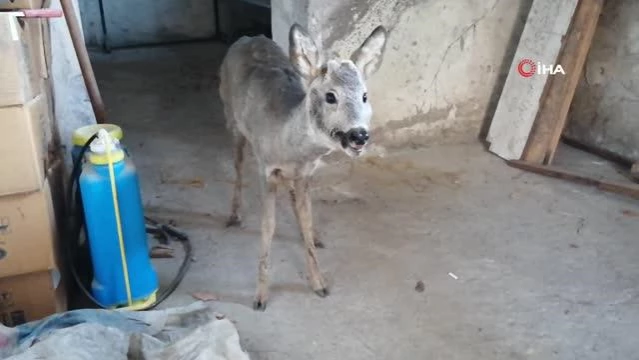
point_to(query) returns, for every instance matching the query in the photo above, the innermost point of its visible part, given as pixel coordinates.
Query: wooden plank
(541, 41)
(553, 112)
(627, 189)
(600, 152)
(634, 171)
(631, 168)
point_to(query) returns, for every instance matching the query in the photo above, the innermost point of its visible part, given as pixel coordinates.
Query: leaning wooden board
(553, 109)
(541, 41)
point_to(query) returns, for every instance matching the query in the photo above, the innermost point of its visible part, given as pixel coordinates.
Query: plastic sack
(187, 333)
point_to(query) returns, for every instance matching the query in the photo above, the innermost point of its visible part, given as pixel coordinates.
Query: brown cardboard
(22, 60)
(31, 297)
(57, 181)
(26, 131)
(21, 4)
(28, 233)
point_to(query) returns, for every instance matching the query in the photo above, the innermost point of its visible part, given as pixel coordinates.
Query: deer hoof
(234, 221)
(316, 240)
(322, 292)
(259, 305)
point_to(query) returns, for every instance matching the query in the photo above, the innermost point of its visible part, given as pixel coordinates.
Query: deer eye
(330, 98)
(365, 97)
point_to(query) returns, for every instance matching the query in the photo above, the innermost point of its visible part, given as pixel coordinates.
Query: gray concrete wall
(444, 65)
(91, 24)
(72, 107)
(605, 111)
(148, 21)
(248, 17)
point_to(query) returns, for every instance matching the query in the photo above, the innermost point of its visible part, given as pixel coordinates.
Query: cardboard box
(57, 182)
(21, 4)
(31, 297)
(22, 61)
(26, 132)
(28, 233)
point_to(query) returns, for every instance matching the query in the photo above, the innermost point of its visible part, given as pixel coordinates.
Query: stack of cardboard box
(30, 188)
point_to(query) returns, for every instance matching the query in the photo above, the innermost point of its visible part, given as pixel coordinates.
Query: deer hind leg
(268, 194)
(303, 212)
(236, 202)
(316, 238)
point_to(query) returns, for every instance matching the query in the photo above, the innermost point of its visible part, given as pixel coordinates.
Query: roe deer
(293, 110)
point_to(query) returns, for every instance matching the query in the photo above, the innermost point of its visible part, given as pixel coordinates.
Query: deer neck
(304, 135)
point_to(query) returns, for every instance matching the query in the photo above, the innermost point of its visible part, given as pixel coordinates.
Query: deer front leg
(316, 239)
(269, 192)
(303, 212)
(235, 219)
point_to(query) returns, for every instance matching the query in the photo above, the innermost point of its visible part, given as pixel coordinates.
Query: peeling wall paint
(444, 62)
(605, 110)
(283, 14)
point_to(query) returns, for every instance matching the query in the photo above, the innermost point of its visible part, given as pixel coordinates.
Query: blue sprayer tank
(106, 234)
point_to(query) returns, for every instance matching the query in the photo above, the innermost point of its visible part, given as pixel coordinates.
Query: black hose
(77, 223)
(105, 33)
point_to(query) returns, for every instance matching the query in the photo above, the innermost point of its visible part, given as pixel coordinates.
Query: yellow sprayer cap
(104, 149)
(81, 135)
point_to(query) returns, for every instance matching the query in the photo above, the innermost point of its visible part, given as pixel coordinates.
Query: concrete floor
(545, 269)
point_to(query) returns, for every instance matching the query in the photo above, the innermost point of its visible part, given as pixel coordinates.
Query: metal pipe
(105, 33)
(216, 18)
(84, 61)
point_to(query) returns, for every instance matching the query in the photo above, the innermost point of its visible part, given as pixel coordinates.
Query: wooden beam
(627, 189)
(553, 113)
(598, 151)
(634, 171)
(541, 41)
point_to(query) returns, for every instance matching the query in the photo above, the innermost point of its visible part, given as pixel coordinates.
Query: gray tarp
(194, 332)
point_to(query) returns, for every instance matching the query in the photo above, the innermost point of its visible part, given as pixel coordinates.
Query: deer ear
(303, 52)
(368, 57)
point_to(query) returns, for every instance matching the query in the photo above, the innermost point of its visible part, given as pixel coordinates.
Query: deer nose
(357, 136)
